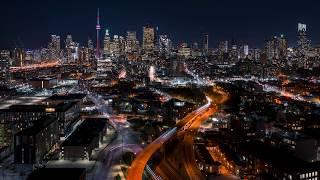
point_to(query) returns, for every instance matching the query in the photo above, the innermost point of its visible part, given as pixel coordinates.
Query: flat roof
(61, 107)
(38, 126)
(67, 96)
(21, 101)
(57, 173)
(86, 131)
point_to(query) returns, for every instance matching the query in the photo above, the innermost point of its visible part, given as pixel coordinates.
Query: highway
(186, 129)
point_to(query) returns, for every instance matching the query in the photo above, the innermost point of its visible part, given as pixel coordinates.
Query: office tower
(98, 28)
(90, 55)
(115, 46)
(54, 47)
(29, 57)
(304, 44)
(245, 50)
(122, 45)
(107, 43)
(4, 67)
(276, 48)
(104, 69)
(148, 39)
(164, 45)
(68, 40)
(72, 50)
(184, 50)
(19, 56)
(131, 41)
(195, 50)
(206, 44)
(283, 47)
(223, 47)
(90, 44)
(37, 56)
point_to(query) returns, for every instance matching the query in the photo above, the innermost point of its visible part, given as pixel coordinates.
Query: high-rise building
(122, 45)
(206, 44)
(304, 44)
(115, 46)
(90, 44)
(131, 41)
(165, 45)
(184, 50)
(4, 71)
(223, 47)
(276, 48)
(29, 57)
(68, 40)
(19, 56)
(104, 69)
(54, 47)
(98, 28)
(90, 56)
(148, 39)
(283, 46)
(107, 43)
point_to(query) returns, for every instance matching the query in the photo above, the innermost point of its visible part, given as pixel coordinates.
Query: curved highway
(190, 122)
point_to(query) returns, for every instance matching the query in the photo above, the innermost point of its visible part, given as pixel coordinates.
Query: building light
(50, 110)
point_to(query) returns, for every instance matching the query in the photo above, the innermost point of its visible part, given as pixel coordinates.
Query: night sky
(29, 23)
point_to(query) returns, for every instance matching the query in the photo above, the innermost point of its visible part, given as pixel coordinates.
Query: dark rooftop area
(38, 125)
(57, 174)
(84, 134)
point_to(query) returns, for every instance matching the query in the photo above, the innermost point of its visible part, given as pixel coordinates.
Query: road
(186, 128)
(126, 141)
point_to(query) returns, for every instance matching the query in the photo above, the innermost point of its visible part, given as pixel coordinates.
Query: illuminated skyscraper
(55, 46)
(107, 43)
(304, 44)
(19, 56)
(131, 41)
(115, 46)
(148, 39)
(223, 47)
(4, 67)
(283, 46)
(68, 40)
(184, 50)
(164, 45)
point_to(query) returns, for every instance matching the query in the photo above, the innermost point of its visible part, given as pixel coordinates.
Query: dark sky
(30, 22)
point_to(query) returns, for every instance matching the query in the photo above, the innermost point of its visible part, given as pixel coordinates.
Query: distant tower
(206, 44)
(98, 27)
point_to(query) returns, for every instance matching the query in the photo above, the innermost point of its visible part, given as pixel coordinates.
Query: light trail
(35, 66)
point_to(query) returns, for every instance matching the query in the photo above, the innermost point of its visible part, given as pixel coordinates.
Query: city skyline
(246, 22)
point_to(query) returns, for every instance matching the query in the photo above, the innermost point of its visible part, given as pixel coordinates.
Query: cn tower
(98, 27)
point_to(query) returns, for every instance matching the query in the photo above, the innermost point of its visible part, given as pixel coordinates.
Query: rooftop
(57, 173)
(38, 125)
(86, 132)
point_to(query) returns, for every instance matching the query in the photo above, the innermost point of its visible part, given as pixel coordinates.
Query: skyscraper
(107, 43)
(304, 44)
(55, 46)
(4, 69)
(131, 40)
(206, 44)
(164, 45)
(283, 46)
(98, 27)
(223, 47)
(148, 39)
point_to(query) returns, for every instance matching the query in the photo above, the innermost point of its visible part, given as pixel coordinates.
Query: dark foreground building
(58, 174)
(32, 144)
